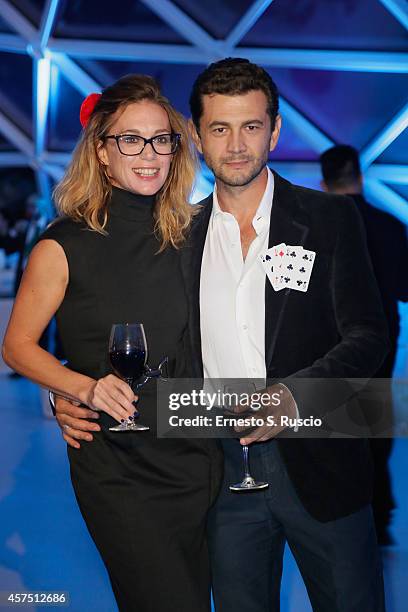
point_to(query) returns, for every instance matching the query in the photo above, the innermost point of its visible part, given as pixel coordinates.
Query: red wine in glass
(128, 364)
(128, 357)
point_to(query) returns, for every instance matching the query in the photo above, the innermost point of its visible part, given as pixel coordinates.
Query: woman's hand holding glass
(112, 395)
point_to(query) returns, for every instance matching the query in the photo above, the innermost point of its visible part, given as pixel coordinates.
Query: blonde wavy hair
(85, 190)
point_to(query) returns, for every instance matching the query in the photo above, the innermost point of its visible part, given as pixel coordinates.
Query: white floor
(44, 544)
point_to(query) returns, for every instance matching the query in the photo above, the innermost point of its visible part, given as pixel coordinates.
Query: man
(388, 247)
(319, 492)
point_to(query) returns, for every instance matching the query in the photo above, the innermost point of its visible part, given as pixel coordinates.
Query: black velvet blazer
(335, 330)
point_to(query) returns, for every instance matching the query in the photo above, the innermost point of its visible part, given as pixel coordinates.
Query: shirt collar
(263, 212)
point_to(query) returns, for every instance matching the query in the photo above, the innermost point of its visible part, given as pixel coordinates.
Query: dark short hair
(340, 166)
(233, 76)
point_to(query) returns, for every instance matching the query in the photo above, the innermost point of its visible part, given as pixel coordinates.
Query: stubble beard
(237, 178)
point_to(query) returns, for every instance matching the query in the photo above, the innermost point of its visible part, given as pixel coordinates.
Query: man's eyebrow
(226, 124)
(254, 122)
(222, 123)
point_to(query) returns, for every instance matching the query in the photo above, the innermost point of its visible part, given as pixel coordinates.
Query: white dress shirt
(232, 294)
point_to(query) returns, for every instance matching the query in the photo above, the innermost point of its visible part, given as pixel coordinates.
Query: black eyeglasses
(133, 144)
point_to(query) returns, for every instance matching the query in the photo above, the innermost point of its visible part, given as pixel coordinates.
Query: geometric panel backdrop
(341, 68)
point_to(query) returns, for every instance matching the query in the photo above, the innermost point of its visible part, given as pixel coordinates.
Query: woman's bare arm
(40, 294)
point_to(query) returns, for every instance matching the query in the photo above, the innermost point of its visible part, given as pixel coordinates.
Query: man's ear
(194, 135)
(275, 134)
(101, 153)
(324, 186)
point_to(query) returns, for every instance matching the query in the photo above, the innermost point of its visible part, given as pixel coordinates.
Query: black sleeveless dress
(144, 499)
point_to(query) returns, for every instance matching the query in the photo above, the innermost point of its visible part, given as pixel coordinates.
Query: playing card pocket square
(288, 267)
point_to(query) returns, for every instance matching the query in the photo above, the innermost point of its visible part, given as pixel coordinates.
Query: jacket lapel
(288, 224)
(192, 256)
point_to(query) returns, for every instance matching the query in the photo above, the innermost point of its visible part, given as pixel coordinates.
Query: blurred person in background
(12, 233)
(36, 218)
(20, 238)
(388, 248)
(4, 226)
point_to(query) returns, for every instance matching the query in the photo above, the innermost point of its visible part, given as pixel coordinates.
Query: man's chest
(247, 237)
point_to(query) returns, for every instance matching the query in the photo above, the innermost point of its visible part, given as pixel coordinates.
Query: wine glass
(248, 483)
(128, 357)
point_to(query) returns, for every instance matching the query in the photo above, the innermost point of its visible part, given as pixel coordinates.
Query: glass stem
(245, 452)
(130, 383)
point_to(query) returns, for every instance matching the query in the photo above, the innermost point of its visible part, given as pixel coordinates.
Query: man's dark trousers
(339, 560)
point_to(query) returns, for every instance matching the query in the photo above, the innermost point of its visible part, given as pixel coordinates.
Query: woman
(114, 257)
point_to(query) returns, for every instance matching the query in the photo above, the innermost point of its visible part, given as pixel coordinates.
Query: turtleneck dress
(144, 499)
